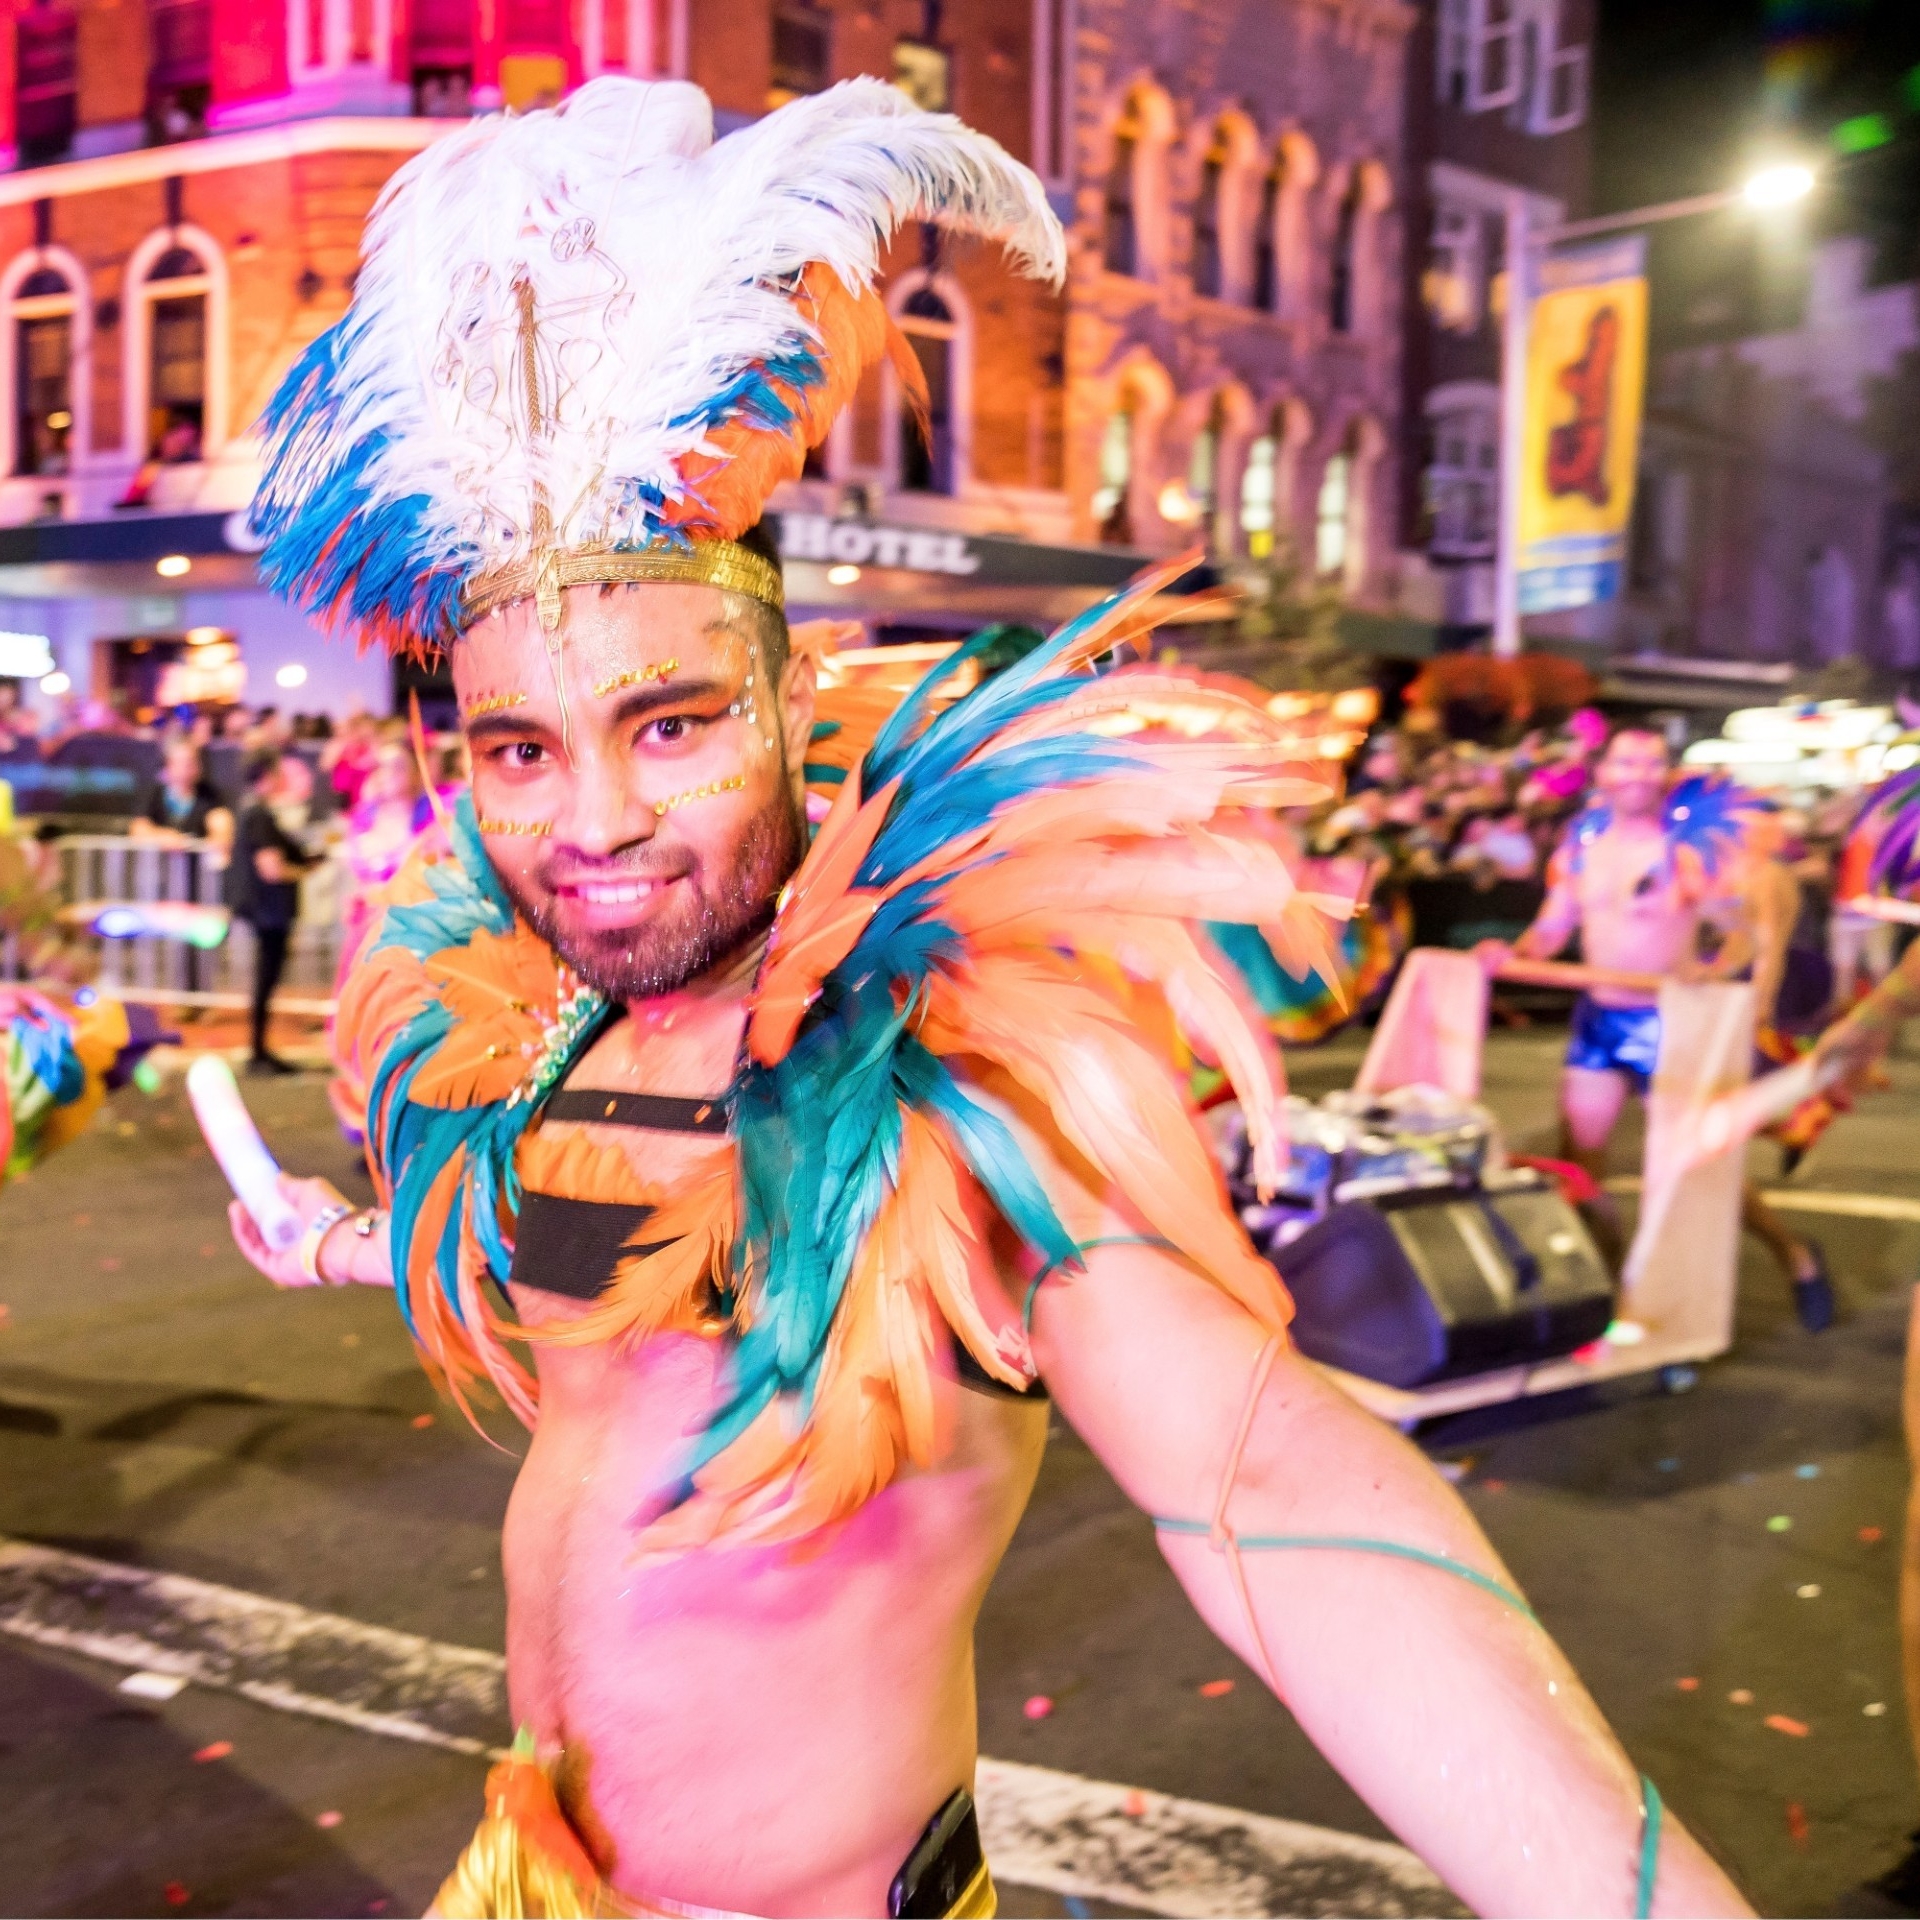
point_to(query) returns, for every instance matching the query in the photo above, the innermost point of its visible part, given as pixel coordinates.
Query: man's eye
(521, 753)
(670, 728)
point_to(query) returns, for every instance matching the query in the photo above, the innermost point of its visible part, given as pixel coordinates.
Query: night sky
(1690, 94)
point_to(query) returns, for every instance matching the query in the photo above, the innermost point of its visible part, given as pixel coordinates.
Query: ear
(799, 684)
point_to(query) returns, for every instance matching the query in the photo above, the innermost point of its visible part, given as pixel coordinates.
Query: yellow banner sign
(1586, 381)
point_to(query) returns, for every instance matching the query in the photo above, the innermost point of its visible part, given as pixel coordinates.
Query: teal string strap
(1649, 1849)
(1354, 1543)
(1083, 1249)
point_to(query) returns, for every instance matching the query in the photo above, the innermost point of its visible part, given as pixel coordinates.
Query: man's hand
(1492, 955)
(345, 1256)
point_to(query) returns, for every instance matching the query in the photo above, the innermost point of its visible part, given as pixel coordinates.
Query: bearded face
(644, 807)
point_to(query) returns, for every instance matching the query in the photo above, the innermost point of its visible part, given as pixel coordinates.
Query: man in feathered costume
(1642, 868)
(783, 1181)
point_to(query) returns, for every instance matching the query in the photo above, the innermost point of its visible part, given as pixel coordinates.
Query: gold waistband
(544, 576)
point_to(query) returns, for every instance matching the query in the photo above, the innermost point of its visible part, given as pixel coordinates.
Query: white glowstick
(252, 1172)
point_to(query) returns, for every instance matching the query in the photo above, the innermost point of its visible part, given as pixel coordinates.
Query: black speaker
(1424, 1285)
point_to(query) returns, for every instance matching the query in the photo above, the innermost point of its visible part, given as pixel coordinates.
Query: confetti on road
(109, 1263)
(83, 1219)
(147, 1685)
(1811, 1591)
(1454, 1471)
(422, 1421)
(1688, 1684)
(1215, 1689)
(216, 1750)
(1809, 1471)
(1741, 1697)
(1038, 1706)
(1667, 1466)
(328, 1819)
(1494, 1486)
(1781, 1723)
(174, 1894)
(208, 1250)
(1780, 1523)
(1874, 1709)
(1796, 1823)
(1134, 1806)
(1871, 1536)
(349, 1339)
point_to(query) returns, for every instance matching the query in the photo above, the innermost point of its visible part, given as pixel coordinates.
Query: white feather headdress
(594, 329)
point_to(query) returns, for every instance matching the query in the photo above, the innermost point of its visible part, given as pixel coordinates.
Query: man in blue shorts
(1617, 882)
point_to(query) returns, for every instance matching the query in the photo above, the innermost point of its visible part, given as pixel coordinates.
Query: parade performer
(777, 1185)
(1638, 874)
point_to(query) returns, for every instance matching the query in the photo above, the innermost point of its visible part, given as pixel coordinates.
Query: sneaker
(1813, 1296)
(263, 1064)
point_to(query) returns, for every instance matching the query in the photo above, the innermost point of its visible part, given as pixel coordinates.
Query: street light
(1779, 184)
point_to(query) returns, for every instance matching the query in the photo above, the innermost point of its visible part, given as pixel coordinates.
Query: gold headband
(543, 577)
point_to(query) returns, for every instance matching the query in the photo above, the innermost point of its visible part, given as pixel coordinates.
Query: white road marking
(1089, 1839)
(1854, 1206)
(1104, 1842)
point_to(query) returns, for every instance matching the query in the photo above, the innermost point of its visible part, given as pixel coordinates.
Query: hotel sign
(861, 543)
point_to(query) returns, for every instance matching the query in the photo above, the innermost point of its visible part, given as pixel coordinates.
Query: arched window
(1120, 243)
(1341, 532)
(1208, 263)
(1135, 216)
(1110, 501)
(1283, 236)
(41, 319)
(1346, 227)
(1203, 467)
(1266, 256)
(927, 463)
(176, 299)
(1259, 488)
(1267, 480)
(1332, 517)
(175, 372)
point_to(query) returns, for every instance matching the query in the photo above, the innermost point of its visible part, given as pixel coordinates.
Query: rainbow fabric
(1009, 880)
(55, 1068)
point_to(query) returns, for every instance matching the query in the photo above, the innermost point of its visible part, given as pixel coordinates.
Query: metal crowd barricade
(101, 870)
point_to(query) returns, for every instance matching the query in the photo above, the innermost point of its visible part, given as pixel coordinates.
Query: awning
(59, 559)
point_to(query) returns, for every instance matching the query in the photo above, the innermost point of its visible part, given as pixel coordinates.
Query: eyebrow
(643, 700)
(486, 724)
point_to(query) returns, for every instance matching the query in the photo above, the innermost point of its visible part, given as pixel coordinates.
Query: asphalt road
(161, 1407)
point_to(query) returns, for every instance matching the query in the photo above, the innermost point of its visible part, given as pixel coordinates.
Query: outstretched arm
(1453, 1714)
(1854, 1045)
(1553, 926)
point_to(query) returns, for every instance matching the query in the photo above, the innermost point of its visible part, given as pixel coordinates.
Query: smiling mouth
(613, 893)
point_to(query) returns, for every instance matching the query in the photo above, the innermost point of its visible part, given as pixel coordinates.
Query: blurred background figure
(264, 881)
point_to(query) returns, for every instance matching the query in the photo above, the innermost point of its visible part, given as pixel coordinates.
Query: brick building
(1497, 105)
(188, 180)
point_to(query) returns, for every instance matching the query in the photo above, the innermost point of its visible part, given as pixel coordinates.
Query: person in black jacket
(184, 804)
(263, 883)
